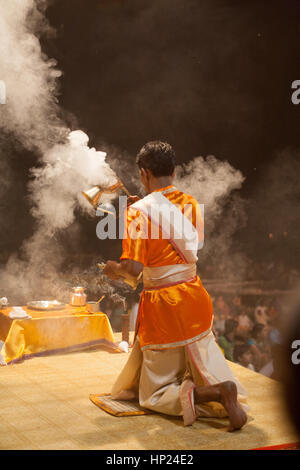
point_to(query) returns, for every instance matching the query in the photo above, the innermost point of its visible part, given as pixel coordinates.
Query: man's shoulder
(176, 197)
(135, 211)
(186, 197)
(191, 200)
(138, 205)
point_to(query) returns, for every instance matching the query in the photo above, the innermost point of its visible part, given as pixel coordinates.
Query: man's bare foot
(186, 399)
(225, 393)
(236, 414)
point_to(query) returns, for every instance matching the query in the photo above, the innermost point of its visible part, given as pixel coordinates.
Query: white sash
(175, 226)
(164, 276)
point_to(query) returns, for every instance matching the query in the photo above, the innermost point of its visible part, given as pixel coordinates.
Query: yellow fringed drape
(71, 328)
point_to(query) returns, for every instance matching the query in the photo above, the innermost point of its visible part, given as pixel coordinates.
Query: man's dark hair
(230, 325)
(158, 157)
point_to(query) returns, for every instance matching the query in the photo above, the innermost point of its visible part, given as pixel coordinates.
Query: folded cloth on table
(3, 301)
(18, 312)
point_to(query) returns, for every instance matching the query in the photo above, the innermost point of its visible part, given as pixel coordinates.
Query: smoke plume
(67, 165)
(31, 112)
(214, 183)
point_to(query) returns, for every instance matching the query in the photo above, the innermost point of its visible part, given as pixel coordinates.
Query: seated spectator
(257, 345)
(273, 310)
(219, 324)
(221, 313)
(236, 306)
(276, 347)
(226, 341)
(245, 325)
(258, 327)
(250, 312)
(241, 336)
(242, 355)
(261, 315)
(274, 331)
(221, 308)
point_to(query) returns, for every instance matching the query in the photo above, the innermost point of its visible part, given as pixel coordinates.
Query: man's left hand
(111, 270)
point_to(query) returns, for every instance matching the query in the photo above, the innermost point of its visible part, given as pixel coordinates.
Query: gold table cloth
(70, 329)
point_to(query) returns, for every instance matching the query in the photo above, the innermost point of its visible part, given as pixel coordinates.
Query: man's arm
(126, 267)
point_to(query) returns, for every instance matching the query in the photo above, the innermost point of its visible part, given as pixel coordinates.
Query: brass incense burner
(94, 194)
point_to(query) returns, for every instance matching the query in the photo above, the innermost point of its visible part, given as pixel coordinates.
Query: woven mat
(118, 407)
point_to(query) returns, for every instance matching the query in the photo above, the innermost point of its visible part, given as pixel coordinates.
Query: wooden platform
(44, 404)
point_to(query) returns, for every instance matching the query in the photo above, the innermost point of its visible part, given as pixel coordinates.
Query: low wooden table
(70, 329)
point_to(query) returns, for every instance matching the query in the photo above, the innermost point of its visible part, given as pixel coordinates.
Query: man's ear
(143, 173)
(148, 173)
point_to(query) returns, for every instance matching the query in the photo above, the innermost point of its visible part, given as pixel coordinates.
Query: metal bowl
(46, 305)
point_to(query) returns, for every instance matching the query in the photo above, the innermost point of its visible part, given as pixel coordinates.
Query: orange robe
(174, 315)
(175, 349)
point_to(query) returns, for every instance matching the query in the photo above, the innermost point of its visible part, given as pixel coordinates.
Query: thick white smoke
(68, 170)
(31, 109)
(209, 181)
(67, 165)
(213, 183)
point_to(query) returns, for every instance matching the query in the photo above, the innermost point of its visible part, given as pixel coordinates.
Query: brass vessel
(94, 194)
(78, 297)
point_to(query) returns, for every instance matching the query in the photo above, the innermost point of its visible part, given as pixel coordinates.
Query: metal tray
(46, 305)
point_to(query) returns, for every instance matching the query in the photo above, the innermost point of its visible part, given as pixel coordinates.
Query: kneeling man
(175, 366)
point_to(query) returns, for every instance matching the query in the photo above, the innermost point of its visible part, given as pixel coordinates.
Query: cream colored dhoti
(155, 377)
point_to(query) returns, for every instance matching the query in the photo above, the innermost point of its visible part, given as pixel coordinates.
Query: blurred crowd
(247, 329)
(249, 332)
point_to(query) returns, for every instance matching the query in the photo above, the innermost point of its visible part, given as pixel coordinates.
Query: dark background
(209, 76)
